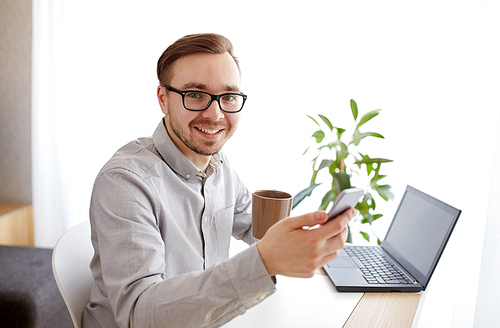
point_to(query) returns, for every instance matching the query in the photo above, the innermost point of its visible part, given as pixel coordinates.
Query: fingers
(330, 258)
(337, 242)
(337, 225)
(339, 228)
(307, 220)
(290, 250)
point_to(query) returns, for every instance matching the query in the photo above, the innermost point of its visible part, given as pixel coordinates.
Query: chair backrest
(70, 263)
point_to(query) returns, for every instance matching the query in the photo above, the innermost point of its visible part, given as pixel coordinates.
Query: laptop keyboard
(376, 268)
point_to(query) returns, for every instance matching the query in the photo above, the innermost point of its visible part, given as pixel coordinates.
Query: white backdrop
(488, 298)
(430, 65)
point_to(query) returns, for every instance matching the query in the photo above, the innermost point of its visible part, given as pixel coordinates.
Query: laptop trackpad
(342, 262)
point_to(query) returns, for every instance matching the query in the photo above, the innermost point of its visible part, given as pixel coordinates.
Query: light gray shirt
(161, 230)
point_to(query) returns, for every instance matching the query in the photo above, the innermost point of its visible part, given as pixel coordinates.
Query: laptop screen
(419, 231)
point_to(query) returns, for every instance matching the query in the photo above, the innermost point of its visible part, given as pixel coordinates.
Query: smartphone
(347, 199)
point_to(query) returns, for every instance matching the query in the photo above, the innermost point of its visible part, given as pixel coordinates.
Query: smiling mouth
(208, 131)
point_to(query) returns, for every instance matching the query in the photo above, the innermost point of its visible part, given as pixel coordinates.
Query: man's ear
(162, 99)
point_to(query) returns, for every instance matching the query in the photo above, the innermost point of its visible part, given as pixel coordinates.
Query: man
(164, 208)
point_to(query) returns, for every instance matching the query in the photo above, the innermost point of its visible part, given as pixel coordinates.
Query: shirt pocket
(224, 226)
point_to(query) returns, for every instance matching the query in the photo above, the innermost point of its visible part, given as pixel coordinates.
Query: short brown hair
(191, 44)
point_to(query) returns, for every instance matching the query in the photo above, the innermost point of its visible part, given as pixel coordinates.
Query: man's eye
(194, 95)
(228, 98)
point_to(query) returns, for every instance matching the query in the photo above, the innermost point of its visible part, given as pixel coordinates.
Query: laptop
(406, 259)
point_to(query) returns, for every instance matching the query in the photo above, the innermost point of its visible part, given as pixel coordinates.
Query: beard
(198, 145)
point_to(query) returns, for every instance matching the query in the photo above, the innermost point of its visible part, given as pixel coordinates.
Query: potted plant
(348, 168)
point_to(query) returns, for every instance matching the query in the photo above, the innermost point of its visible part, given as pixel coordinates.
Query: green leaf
(327, 121)
(365, 235)
(370, 202)
(319, 135)
(342, 180)
(305, 151)
(340, 131)
(369, 218)
(367, 160)
(354, 109)
(301, 195)
(327, 199)
(385, 192)
(349, 235)
(363, 207)
(314, 120)
(375, 135)
(336, 143)
(325, 163)
(358, 136)
(368, 116)
(376, 178)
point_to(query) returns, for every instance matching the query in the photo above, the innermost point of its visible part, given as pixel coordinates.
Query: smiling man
(202, 130)
(164, 208)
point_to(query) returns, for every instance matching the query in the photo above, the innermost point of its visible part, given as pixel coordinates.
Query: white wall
(488, 298)
(15, 101)
(430, 65)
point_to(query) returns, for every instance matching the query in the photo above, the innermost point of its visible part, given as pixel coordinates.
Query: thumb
(308, 220)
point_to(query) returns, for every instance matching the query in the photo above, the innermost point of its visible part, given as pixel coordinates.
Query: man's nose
(213, 112)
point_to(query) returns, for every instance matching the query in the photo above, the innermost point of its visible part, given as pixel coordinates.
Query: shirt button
(188, 175)
(200, 174)
(262, 296)
(205, 219)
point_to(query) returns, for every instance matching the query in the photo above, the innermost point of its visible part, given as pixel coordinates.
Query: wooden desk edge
(387, 310)
(384, 310)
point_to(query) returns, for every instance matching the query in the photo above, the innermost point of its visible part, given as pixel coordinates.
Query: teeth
(208, 131)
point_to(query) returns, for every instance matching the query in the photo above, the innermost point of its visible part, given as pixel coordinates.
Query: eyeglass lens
(200, 100)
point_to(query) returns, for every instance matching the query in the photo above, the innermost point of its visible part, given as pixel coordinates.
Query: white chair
(70, 264)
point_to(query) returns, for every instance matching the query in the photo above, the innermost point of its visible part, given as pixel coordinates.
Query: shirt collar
(176, 160)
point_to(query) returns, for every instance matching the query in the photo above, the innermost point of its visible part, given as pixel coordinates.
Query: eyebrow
(201, 86)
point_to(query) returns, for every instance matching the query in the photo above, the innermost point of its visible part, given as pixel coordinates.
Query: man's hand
(290, 250)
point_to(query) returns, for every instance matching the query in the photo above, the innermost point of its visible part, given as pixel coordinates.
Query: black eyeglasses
(199, 100)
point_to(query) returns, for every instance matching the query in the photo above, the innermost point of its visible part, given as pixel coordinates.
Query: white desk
(316, 303)
(299, 302)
